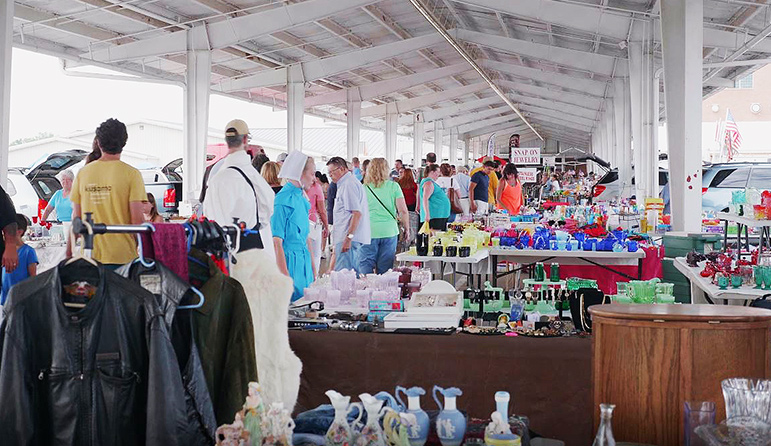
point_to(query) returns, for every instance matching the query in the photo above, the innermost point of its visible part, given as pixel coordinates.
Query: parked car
(166, 186)
(30, 189)
(719, 181)
(609, 186)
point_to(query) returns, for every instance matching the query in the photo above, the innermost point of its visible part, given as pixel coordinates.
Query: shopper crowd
(357, 214)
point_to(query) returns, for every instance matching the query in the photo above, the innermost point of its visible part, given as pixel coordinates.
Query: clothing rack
(81, 227)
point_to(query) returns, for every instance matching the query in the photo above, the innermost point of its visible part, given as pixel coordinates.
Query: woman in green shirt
(434, 204)
(384, 197)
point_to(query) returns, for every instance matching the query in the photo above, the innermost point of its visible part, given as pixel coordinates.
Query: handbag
(761, 302)
(454, 197)
(580, 301)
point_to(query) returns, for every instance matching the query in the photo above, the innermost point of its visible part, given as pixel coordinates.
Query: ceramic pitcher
(498, 432)
(418, 432)
(340, 433)
(371, 434)
(450, 424)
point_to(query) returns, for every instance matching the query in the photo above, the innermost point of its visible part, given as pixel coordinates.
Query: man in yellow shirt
(113, 191)
(493, 181)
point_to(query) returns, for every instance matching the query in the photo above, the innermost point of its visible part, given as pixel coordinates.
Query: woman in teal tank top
(434, 204)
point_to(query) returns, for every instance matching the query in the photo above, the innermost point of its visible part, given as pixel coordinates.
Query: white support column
(353, 119)
(295, 107)
(653, 131)
(610, 144)
(392, 118)
(454, 159)
(466, 144)
(682, 30)
(196, 119)
(438, 137)
(6, 49)
(417, 139)
(622, 124)
(637, 89)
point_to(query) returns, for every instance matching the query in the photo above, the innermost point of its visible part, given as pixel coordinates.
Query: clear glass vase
(605, 432)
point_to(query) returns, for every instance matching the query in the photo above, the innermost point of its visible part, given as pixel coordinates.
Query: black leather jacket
(102, 375)
(169, 290)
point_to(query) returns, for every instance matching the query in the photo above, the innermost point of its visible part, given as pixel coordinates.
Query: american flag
(733, 139)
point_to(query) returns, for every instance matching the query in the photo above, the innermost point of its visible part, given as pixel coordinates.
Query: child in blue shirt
(27, 260)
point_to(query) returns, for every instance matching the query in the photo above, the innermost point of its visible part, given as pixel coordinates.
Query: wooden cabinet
(649, 359)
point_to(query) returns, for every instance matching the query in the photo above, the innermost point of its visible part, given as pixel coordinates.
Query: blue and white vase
(450, 423)
(417, 432)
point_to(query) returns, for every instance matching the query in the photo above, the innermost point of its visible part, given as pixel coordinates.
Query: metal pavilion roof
(555, 59)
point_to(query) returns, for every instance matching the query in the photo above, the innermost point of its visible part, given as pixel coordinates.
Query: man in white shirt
(460, 182)
(351, 215)
(230, 194)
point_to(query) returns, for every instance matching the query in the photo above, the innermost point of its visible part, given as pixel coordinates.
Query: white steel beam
(637, 88)
(573, 82)
(425, 100)
(485, 123)
(554, 94)
(321, 68)
(582, 60)
(232, 31)
(568, 118)
(477, 116)
(444, 112)
(454, 158)
(196, 118)
(590, 18)
(681, 27)
(6, 49)
(552, 104)
(622, 123)
(400, 84)
(568, 15)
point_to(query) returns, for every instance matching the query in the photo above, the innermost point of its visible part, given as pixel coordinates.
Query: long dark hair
(154, 210)
(510, 169)
(96, 152)
(407, 180)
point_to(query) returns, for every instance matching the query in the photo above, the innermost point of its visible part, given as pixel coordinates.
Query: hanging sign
(550, 161)
(513, 144)
(491, 146)
(526, 155)
(528, 175)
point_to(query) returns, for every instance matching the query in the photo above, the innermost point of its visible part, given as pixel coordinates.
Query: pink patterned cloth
(168, 245)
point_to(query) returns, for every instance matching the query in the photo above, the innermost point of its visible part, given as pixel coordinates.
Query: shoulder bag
(382, 204)
(454, 198)
(251, 240)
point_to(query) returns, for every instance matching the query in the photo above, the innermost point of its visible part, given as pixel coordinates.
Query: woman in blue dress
(290, 222)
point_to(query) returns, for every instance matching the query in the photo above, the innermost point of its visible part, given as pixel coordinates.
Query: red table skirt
(606, 280)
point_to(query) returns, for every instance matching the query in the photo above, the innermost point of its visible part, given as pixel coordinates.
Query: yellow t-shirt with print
(105, 188)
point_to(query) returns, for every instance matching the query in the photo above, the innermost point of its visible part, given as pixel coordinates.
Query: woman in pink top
(318, 218)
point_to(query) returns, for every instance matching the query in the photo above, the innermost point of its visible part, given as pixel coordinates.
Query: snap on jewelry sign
(526, 155)
(527, 175)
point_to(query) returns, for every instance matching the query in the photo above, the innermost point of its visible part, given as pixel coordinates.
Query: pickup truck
(166, 186)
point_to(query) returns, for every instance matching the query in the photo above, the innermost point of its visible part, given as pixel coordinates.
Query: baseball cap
(281, 157)
(240, 128)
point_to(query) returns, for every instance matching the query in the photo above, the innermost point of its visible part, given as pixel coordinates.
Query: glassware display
(605, 432)
(737, 431)
(554, 272)
(747, 398)
(697, 414)
(621, 288)
(540, 274)
(757, 273)
(722, 281)
(736, 280)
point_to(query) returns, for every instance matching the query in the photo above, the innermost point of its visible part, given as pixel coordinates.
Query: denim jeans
(380, 253)
(348, 259)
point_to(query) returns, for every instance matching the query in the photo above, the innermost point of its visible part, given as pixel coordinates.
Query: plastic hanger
(141, 258)
(198, 305)
(80, 255)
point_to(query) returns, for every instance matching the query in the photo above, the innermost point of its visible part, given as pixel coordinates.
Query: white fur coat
(269, 293)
